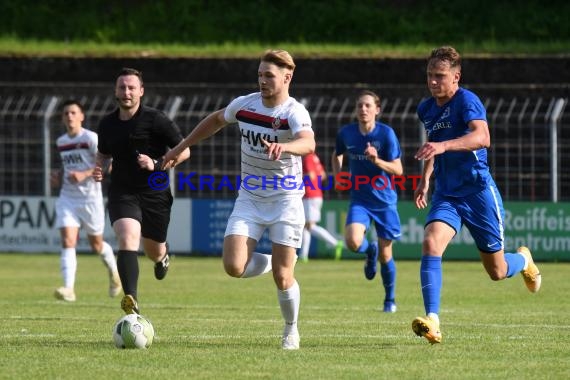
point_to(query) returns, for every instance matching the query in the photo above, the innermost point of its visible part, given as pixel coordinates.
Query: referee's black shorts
(150, 208)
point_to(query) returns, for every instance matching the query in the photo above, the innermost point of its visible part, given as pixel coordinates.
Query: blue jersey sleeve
(393, 151)
(473, 109)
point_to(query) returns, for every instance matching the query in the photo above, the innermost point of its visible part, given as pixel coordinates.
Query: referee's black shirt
(148, 132)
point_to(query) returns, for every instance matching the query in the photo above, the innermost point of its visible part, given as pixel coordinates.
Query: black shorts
(151, 209)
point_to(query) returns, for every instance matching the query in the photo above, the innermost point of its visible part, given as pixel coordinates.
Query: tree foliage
(295, 21)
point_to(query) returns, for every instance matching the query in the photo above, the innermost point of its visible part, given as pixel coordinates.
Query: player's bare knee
(69, 240)
(97, 247)
(69, 243)
(496, 275)
(384, 258)
(353, 243)
(282, 281)
(430, 244)
(234, 270)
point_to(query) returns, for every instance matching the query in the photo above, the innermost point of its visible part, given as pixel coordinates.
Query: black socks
(128, 268)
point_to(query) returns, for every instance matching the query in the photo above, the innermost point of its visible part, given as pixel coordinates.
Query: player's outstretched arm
(477, 138)
(165, 165)
(209, 126)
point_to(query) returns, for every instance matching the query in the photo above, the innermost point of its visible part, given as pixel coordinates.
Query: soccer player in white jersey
(276, 131)
(80, 202)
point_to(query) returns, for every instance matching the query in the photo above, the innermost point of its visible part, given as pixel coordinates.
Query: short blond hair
(446, 54)
(280, 58)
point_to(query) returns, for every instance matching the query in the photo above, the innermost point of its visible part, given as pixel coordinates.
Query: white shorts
(312, 208)
(284, 218)
(77, 213)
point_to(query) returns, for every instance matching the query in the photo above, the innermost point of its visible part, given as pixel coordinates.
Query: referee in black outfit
(135, 137)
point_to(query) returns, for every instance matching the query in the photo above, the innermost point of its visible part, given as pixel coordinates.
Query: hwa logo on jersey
(254, 138)
(70, 159)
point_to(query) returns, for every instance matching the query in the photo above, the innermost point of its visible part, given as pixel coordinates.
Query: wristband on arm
(157, 164)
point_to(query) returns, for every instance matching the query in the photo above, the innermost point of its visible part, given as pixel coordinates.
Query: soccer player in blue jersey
(373, 151)
(465, 192)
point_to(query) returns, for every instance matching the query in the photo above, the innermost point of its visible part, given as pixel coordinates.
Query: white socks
(304, 253)
(434, 317)
(259, 264)
(289, 301)
(323, 234)
(320, 233)
(68, 265)
(108, 258)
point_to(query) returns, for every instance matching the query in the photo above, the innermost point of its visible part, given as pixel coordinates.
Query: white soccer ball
(133, 331)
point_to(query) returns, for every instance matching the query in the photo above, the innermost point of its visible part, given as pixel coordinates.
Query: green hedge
(294, 21)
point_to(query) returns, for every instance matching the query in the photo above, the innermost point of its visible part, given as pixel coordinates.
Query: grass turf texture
(211, 326)
(35, 48)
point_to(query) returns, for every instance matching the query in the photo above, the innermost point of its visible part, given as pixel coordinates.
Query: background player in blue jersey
(373, 150)
(465, 193)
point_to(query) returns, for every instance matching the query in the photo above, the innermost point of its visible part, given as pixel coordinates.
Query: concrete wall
(540, 76)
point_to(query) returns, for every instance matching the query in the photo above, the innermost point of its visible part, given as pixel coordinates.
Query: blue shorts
(386, 219)
(482, 213)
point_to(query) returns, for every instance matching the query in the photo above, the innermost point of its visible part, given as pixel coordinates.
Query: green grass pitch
(211, 326)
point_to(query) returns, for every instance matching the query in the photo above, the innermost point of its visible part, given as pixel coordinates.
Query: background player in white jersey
(80, 202)
(276, 131)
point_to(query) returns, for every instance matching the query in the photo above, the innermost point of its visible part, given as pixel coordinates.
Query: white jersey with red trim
(263, 178)
(78, 153)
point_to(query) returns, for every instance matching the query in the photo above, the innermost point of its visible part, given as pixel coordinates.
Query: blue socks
(515, 263)
(364, 246)
(430, 276)
(388, 272)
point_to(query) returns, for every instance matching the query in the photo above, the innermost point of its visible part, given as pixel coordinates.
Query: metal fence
(530, 139)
